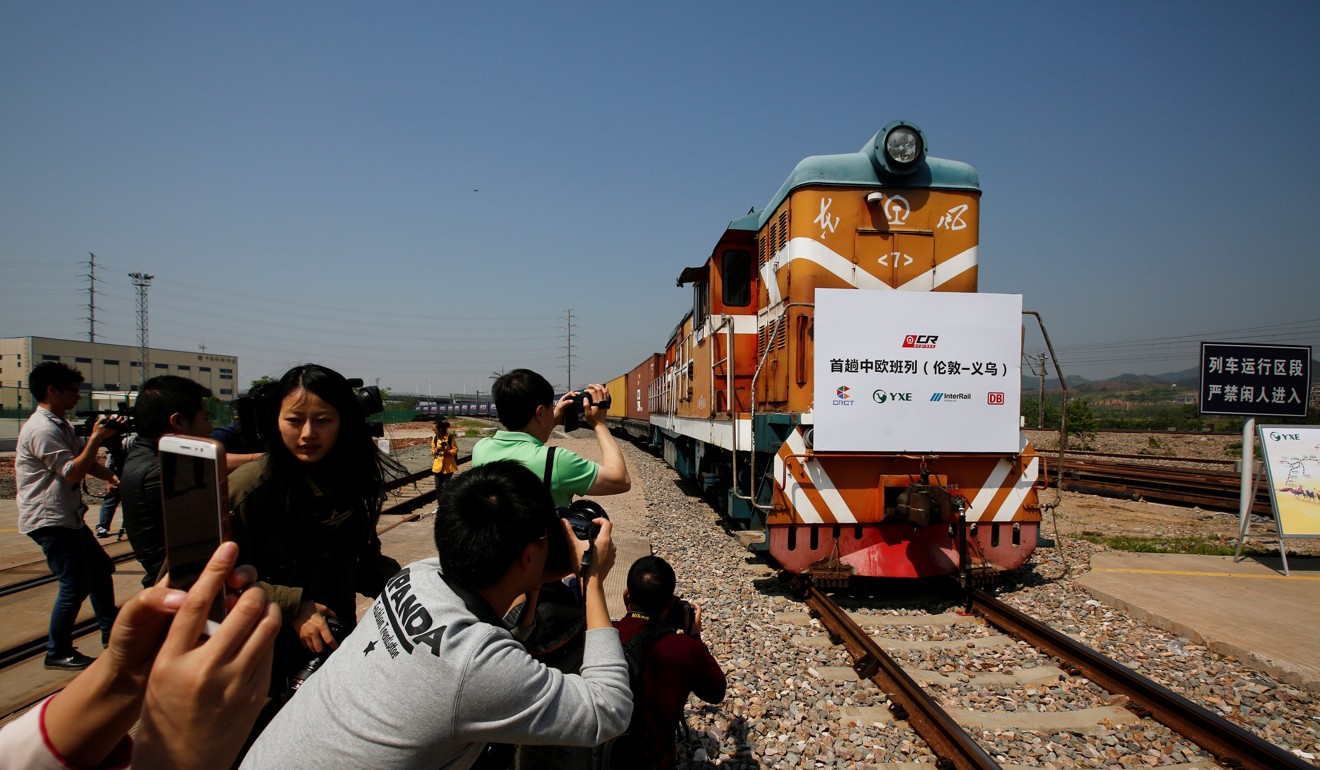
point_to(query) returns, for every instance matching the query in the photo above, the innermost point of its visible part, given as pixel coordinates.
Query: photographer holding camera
(433, 674)
(527, 409)
(675, 663)
(49, 467)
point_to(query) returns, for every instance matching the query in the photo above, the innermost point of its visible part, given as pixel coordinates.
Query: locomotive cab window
(736, 272)
(700, 302)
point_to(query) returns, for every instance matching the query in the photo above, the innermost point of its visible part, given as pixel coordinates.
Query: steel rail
(1164, 484)
(23, 585)
(1229, 744)
(955, 749)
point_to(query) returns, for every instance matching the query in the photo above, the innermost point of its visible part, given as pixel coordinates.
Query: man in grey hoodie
(431, 674)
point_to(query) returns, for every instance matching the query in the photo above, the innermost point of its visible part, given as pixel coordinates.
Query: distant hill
(1185, 378)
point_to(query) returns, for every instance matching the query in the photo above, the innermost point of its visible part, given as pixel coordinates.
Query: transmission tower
(91, 297)
(142, 281)
(569, 329)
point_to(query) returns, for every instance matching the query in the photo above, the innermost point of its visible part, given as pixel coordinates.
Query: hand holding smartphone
(195, 504)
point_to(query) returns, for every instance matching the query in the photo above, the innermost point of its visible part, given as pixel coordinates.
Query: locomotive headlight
(903, 145)
(898, 149)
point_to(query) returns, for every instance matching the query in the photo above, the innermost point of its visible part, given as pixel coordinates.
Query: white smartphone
(195, 503)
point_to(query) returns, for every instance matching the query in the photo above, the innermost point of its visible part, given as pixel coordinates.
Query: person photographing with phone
(165, 405)
(193, 695)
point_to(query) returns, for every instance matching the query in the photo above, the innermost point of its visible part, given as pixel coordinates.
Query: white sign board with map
(1292, 460)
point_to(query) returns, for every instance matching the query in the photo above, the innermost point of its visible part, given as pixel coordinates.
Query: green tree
(1082, 423)
(1031, 412)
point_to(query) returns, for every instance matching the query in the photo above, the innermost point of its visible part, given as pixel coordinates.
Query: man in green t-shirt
(526, 404)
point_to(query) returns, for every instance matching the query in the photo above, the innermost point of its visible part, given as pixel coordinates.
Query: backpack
(631, 750)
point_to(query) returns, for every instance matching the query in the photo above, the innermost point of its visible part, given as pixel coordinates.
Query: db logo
(996, 399)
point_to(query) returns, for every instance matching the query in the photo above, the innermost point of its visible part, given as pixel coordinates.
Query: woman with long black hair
(305, 515)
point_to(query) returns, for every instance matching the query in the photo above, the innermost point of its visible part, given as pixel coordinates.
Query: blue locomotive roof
(859, 169)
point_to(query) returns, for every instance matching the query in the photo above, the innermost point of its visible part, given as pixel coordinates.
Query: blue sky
(421, 192)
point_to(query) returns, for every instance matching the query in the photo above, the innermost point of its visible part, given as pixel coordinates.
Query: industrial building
(109, 371)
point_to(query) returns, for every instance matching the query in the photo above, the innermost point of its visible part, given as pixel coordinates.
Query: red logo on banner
(920, 340)
(995, 398)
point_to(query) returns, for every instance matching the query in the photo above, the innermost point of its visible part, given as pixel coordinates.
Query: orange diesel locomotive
(733, 401)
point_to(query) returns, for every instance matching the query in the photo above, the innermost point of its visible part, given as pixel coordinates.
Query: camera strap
(549, 467)
(590, 555)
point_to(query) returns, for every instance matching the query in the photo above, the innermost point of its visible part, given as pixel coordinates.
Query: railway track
(1111, 476)
(1232, 746)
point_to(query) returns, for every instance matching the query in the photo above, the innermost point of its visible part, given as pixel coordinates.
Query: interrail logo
(946, 397)
(920, 340)
(841, 396)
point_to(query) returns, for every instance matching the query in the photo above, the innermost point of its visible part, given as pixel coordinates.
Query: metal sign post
(1255, 381)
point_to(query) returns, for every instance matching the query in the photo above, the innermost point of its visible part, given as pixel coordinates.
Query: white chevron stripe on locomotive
(820, 482)
(1009, 507)
(812, 250)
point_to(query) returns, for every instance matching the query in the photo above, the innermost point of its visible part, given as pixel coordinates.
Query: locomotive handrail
(729, 369)
(1063, 413)
(750, 498)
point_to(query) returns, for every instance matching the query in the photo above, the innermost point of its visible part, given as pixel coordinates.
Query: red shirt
(677, 664)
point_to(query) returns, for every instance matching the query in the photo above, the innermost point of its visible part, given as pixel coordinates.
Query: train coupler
(831, 573)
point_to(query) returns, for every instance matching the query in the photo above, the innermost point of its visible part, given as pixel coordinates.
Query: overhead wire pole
(91, 297)
(1040, 399)
(569, 324)
(142, 281)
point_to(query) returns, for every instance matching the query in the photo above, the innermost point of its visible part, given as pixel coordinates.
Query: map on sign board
(1292, 460)
(917, 371)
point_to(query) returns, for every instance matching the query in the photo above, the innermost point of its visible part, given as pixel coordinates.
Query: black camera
(580, 517)
(84, 429)
(682, 616)
(339, 630)
(575, 413)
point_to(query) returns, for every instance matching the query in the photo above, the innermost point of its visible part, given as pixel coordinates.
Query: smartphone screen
(193, 500)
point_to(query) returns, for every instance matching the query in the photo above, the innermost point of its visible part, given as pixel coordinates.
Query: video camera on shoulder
(84, 429)
(260, 409)
(576, 412)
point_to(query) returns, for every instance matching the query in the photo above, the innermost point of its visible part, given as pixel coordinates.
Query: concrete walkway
(1248, 609)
